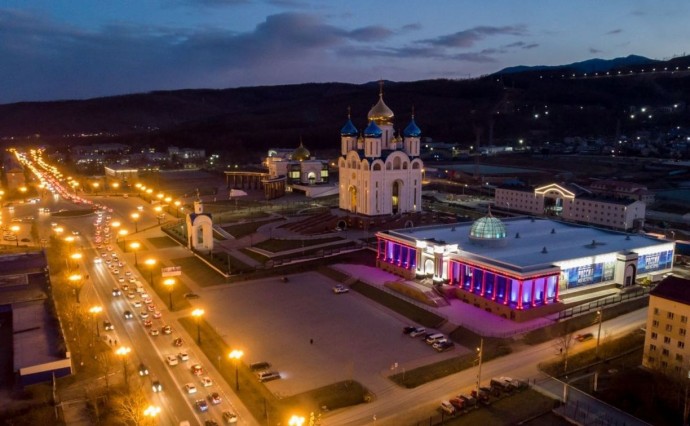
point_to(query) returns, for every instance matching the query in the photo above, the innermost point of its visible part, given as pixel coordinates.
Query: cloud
(412, 27)
(594, 51)
(207, 3)
(370, 34)
(616, 31)
(468, 38)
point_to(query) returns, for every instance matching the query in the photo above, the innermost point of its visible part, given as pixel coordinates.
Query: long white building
(573, 203)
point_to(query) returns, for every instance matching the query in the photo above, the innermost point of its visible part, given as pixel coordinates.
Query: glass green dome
(488, 230)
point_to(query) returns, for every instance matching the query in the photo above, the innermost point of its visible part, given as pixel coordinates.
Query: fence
(610, 300)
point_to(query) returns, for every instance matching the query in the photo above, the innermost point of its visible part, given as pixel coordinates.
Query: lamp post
(480, 353)
(75, 279)
(135, 218)
(95, 187)
(296, 421)
(158, 210)
(75, 257)
(235, 355)
(123, 233)
(150, 263)
(115, 225)
(135, 246)
(169, 283)
(177, 203)
(596, 351)
(95, 310)
(15, 230)
(198, 313)
(152, 411)
(123, 351)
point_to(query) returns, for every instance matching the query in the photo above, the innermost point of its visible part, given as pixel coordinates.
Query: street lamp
(135, 218)
(596, 351)
(122, 233)
(480, 353)
(15, 230)
(75, 279)
(95, 310)
(158, 210)
(152, 411)
(198, 313)
(135, 246)
(76, 257)
(296, 421)
(150, 263)
(170, 282)
(95, 187)
(178, 203)
(236, 355)
(123, 351)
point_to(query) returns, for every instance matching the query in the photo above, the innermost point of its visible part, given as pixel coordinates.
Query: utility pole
(480, 349)
(596, 351)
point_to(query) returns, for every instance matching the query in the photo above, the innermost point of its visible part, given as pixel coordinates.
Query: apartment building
(666, 345)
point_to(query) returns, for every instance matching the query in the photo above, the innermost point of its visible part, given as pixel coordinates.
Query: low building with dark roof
(36, 335)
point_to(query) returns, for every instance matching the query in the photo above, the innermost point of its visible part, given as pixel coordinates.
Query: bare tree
(564, 342)
(129, 407)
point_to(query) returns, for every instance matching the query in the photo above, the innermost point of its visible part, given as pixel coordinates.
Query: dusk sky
(76, 49)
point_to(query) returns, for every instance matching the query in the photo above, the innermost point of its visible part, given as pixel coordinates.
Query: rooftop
(531, 243)
(673, 288)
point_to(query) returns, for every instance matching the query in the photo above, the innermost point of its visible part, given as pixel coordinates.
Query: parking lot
(312, 336)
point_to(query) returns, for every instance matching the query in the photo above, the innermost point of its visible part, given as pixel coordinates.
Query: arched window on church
(396, 163)
(405, 165)
(388, 165)
(416, 165)
(377, 167)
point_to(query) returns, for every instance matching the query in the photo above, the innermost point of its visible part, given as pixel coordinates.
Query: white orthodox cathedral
(380, 173)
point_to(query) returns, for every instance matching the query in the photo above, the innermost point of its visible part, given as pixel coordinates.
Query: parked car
(261, 365)
(447, 407)
(339, 288)
(584, 337)
(418, 331)
(266, 376)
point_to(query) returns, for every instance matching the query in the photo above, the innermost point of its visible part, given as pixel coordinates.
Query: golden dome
(380, 113)
(301, 153)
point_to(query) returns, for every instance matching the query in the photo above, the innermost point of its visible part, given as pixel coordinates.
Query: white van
(447, 407)
(430, 340)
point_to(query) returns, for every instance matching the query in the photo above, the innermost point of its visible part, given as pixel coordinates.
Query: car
(261, 365)
(215, 398)
(444, 346)
(132, 280)
(124, 287)
(197, 369)
(148, 323)
(584, 337)
(120, 279)
(447, 407)
(107, 326)
(339, 288)
(171, 360)
(178, 342)
(418, 331)
(128, 273)
(190, 388)
(143, 370)
(154, 332)
(206, 381)
(229, 417)
(98, 261)
(191, 296)
(156, 386)
(210, 422)
(128, 315)
(137, 303)
(157, 314)
(109, 248)
(183, 356)
(266, 376)
(151, 307)
(117, 292)
(166, 329)
(146, 298)
(115, 271)
(409, 329)
(144, 314)
(201, 405)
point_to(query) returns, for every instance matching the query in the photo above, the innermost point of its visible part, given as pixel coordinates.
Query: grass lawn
(243, 229)
(512, 410)
(256, 397)
(198, 271)
(276, 246)
(162, 242)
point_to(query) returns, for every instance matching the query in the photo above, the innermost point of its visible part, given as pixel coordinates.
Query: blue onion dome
(301, 153)
(488, 230)
(372, 130)
(412, 131)
(349, 129)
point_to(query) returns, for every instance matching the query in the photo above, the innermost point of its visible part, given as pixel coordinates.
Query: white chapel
(380, 173)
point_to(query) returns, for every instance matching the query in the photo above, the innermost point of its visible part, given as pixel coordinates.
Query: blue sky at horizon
(76, 49)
